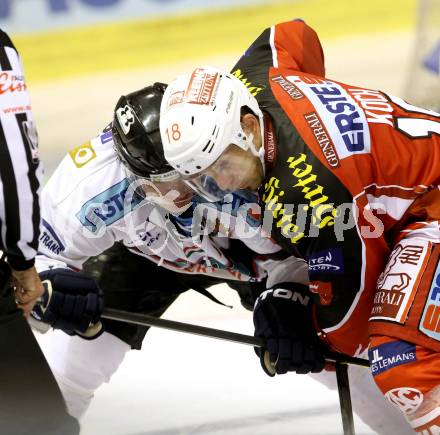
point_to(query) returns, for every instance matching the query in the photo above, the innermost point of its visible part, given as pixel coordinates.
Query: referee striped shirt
(20, 168)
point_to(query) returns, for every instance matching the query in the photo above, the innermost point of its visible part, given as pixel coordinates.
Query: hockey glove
(72, 302)
(283, 317)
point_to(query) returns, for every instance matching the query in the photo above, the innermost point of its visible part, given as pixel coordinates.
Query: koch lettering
(372, 102)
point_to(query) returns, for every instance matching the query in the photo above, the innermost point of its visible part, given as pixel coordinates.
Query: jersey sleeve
(289, 45)
(68, 235)
(296, 46)
(20, 168)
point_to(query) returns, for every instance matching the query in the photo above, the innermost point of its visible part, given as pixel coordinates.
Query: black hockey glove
(283, 317)
(73, 302)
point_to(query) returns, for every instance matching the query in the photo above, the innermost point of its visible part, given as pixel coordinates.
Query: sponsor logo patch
(328, 261)
(398, 283)
(322, 213)
(271, 149)
(323, 139)
(288, 87)
(430, 321)
(201, 87)
(175, 98)
(106, 136)
(49, 239)
(344, 120)
(407, 399)
(389, 355)
(10, 82)
(107, 207)
(82, 154)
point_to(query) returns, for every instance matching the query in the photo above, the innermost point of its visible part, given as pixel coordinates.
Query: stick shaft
(147, 320)
(345, 398)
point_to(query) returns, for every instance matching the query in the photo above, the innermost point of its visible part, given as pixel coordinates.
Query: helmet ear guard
(136, 134)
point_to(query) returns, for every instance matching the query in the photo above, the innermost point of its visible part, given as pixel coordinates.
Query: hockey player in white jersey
(88, 205)
(91, 202)
(91, 211)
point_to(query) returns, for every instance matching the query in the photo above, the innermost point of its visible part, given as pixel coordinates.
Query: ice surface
(186, 384)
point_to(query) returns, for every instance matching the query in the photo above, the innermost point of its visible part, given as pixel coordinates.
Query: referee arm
(20, 176)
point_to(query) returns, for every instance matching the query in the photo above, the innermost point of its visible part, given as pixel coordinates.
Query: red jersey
(347, 169)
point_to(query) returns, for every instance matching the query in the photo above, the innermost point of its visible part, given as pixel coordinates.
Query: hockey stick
(341, 361)
(146, 320)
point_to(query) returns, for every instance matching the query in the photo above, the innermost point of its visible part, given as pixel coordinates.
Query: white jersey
(88, 205)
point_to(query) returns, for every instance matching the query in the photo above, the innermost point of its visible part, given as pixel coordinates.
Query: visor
(229, 173)
(167, 190)
(206, 187)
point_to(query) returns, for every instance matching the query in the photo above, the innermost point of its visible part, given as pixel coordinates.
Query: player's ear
(250, 123)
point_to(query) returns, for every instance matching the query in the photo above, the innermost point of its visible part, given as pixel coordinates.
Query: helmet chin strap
(251, 146)
(257, 153)
(261, 151)
(246, 142)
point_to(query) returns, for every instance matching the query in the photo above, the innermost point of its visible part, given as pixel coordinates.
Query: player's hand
(72, 302)
(283, 317)
(28, 288)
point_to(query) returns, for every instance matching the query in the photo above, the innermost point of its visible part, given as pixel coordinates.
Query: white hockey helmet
(200, 118)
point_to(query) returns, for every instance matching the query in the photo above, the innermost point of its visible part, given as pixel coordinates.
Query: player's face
(234, 170)
(174, 196)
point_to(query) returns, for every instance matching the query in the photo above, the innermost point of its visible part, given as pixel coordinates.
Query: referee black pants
(30, 400)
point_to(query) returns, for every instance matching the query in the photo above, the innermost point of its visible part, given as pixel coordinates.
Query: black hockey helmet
(136, 134)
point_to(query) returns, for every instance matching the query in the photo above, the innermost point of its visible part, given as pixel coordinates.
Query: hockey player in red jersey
(81, 366)
(350, 180)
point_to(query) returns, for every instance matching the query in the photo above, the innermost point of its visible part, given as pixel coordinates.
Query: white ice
(191, 385)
